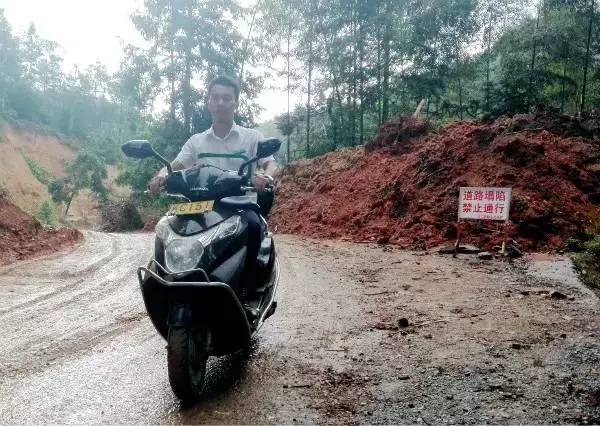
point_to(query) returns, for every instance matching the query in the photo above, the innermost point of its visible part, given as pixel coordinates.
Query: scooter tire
(186, 359)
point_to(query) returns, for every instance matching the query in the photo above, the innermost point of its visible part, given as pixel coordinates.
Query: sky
(95, 30)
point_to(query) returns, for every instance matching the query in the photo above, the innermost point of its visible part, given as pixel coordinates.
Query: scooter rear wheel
(186, 358)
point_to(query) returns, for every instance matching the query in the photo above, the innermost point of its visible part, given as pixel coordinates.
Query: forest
(354, 63)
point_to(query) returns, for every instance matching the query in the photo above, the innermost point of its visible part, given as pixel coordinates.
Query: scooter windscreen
(205, 182)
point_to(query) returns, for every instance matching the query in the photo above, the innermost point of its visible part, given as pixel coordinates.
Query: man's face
(222, 103)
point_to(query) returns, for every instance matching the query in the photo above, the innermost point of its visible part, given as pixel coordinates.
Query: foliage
(358, 63)
(46, 213)
(41, 174)
(87, 171)
(587, 263)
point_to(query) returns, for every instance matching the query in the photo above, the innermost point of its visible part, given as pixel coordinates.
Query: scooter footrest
(251, 312)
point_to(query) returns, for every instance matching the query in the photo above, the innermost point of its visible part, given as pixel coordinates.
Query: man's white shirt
(228, 153)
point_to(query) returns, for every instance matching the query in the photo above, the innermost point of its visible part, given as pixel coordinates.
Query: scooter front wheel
(186, 358)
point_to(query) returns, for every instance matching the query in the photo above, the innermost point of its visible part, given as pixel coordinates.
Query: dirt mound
(552, 121)
(150, 224)
(411, 199)
(22, 236)
(120, 216)
(395, 134)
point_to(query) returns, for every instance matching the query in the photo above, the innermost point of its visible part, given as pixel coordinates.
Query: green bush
(587, 263)
(574, 245)
(38, 171)
(46, 213)
(593, 247)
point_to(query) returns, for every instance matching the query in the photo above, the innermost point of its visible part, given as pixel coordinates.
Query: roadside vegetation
(585, 251)
(41, 174)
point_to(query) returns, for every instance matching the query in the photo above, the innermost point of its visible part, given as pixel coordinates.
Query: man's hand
(156, 184)
(262, 181)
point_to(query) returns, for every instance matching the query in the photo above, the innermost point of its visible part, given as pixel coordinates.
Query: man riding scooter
(225, 145)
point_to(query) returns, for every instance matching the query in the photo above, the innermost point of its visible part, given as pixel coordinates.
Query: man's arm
(185, 156)
(269, 169)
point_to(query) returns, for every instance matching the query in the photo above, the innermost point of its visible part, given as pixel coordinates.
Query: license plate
(196, 207)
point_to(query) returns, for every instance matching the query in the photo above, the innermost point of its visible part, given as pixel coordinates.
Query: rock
(513, 251)
(464, 249)
(403, 377)
(557, 295)
(383, 240)
(485, 255)
(516, 346)
(468, 249)
(403, 322)
(444, 249)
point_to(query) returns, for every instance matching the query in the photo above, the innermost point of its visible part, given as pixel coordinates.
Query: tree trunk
(386, 63)
(354, 70)
(378, 68)
(488, 65)
(533, 55)
(69, 202)
(334, 122)
(289, 35)
(361, 52)
(563, 89)
(587, 57)
(172, 62)
(187, 92)
(340, 108)
(460, 91)
(310, 69)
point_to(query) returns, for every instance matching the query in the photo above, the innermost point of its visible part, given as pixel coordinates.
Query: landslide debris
(403, 187)
(23, 237)
(120, 216)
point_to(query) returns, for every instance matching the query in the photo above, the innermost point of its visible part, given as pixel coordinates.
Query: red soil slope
(22, 236)
(403, 187)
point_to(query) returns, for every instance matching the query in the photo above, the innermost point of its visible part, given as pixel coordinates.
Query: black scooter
(196, 288)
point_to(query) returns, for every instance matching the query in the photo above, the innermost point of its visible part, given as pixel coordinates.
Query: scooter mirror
(267, 147)
(138, 149)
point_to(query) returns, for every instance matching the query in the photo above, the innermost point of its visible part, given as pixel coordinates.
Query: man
(225, 145)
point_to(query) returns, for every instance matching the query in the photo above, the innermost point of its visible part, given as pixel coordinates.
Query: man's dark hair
(226, 81)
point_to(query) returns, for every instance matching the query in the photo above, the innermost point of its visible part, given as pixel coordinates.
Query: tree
(587, 55)
(9, 61)
(40, 61)
(87, 171)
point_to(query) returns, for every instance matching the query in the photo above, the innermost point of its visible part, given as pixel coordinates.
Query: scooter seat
(242, 202)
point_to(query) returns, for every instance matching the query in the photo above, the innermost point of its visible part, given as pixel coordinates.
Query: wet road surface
(485, 342)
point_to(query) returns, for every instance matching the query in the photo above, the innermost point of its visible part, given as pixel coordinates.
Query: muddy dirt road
(485, 342)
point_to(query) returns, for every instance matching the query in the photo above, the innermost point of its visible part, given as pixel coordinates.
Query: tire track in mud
(114, 248)
(31, 267)
(76, 317)
(24, 362)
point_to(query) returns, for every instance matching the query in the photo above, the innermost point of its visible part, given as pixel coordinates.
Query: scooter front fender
(214, 304)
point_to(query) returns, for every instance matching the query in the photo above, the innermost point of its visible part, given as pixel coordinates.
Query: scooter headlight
(182, 254)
